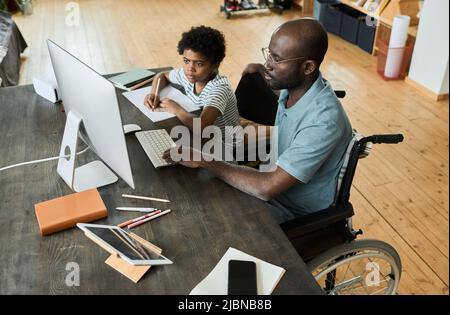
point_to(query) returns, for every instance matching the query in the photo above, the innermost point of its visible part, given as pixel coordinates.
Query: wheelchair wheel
(366, 267)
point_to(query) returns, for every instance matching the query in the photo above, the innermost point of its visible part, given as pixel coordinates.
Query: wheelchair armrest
(300, 226)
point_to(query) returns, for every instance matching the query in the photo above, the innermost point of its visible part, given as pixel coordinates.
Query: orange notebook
(65, 212)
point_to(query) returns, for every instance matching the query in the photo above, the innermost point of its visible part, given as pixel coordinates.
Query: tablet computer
(121, 242)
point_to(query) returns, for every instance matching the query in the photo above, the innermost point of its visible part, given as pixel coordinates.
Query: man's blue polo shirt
(313, 136)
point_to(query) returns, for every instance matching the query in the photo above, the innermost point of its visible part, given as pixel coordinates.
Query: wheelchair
(325, 239)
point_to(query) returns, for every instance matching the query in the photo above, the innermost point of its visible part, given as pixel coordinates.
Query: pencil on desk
(132, 225)
(145, 198)
(134, 87)
(126, 223)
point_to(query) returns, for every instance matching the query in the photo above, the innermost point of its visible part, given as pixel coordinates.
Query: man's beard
(287, 84)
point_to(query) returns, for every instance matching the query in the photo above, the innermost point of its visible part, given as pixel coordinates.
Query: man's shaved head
(310, 39)
(299, 46)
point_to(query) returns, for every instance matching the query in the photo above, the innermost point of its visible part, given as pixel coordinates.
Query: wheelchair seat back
(319, 231)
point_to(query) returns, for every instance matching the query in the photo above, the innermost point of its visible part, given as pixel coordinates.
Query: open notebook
(137, 99)
(216, 282)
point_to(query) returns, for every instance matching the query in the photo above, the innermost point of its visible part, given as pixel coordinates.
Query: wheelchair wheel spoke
(348, 267)
(376, 292)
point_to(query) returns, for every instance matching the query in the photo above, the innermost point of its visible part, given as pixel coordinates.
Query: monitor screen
(92, 99)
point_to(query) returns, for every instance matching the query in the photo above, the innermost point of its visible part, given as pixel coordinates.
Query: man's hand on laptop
(185, 156)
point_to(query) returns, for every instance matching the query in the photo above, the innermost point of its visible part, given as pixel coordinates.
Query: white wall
(429, 64)
(444, 86)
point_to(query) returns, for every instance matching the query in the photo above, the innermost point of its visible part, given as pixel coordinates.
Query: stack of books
(65, 212)
(133, 79)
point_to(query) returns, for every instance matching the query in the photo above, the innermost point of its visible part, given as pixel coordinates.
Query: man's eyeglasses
(276, 60)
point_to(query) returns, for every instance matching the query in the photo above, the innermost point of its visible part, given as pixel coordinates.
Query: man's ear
(310, 67)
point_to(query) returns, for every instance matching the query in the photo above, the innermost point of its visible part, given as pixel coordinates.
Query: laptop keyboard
(155, 143)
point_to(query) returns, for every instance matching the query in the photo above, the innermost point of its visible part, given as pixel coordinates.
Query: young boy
(203, 49)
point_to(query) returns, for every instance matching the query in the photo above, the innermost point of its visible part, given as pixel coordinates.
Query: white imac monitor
(92, 110)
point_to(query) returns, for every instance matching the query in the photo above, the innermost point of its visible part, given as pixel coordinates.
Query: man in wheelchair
(309, 188)
(313, 128)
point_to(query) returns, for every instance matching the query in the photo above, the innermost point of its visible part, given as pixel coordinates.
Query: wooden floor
(400, 192)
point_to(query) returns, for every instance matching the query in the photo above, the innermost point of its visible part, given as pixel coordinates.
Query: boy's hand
(151, 101)
(253, 68)
(168, 106)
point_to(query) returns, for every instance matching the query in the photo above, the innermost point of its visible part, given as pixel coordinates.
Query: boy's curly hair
(205, 40)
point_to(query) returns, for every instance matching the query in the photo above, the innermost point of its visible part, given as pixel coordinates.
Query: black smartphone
(242, 278)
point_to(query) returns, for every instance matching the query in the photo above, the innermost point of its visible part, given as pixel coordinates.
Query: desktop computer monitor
(92, 110)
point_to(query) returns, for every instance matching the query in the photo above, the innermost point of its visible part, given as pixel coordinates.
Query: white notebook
(216, 282)
(137, 97)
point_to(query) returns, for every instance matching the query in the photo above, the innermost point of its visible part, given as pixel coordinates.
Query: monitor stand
(91, 175)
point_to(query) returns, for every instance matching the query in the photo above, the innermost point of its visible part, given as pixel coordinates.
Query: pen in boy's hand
(155, 99)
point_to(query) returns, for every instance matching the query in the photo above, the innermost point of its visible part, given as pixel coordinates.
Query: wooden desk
(208, 216)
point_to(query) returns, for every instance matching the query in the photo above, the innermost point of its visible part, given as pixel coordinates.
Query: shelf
(411, 31)
(258, 8)
(306, 5)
